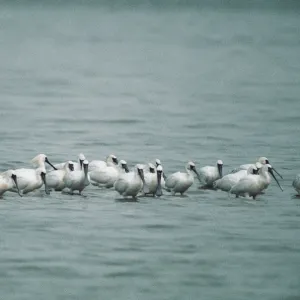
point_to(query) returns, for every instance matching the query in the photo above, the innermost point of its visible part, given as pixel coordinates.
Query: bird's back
(97, 165)
(25, 177)
(248, 184)
(60, 166)
(55, 177)
(172, 180)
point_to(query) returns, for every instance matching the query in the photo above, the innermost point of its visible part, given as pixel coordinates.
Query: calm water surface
(175, 83)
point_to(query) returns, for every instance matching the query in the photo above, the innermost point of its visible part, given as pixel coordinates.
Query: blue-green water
(199, 82)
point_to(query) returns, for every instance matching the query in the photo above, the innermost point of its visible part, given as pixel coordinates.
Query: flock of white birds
(247, 180)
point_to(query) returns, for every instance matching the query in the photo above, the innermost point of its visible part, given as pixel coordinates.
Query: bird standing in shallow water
(228, 181)
(77, 180)
(129, 184)
(55, 178)
(209, 174)
(179, 182)
(8, 181)
(253, 185)
(153, 177)
(30, 180)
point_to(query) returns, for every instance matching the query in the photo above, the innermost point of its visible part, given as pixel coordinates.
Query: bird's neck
(265, 175)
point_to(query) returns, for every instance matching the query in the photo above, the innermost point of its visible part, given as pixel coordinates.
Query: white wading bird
(30, 180)
(153, 177)
(262, 160)
(209, 174)
(129, 184)
(228, 181)
(8, 181)
(55, 178)
(164, 177)
(252, 185)
(296, 183)
(97, 165)
(107, 176)
(77, 180)
(179, 182)
(77, 165)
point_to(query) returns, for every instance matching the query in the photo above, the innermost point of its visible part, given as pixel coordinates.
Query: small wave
(124, 274)
(122, 121)
(211, 125)
(160, 226)
(95, 121)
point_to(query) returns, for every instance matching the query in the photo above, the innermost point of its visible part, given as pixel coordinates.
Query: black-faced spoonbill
(179, 182)
(253, 185)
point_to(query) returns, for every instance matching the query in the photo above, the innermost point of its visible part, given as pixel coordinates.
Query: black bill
(220, 169)
(277, 173)
(196, 172)
(86, 168)
(271, 172)
(125, 167)
(48, 162)
(81, 163)
(158, 192)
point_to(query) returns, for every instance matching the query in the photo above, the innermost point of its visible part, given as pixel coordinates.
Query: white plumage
(8, 181)
(30, 180)
(40, 160)
(77, 180)
(77, 165)
(261, 161)
(179, 182)
(107, 175)
(129, 184)
(55, 178)
(98, 165)
(153, 177)
(228, 181)
(253, 185)
(209, 174)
